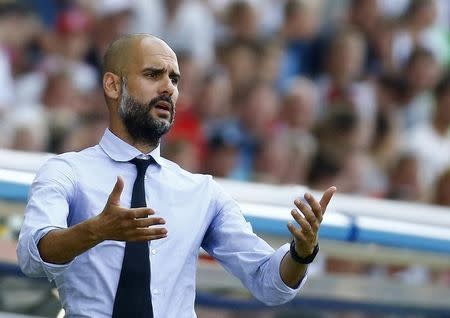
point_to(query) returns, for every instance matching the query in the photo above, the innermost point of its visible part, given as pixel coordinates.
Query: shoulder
(182, 175)
(65, 164)
(75, 158)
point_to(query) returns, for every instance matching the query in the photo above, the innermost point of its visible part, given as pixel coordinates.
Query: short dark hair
(417, 54)
(443, 86)
(291, 7)
(17, 8)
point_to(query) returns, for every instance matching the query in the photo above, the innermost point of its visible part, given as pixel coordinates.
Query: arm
(46, 245)
(61, 246)
(305, 237)
(231, 241)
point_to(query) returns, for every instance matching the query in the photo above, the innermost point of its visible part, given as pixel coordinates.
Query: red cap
(72, 20)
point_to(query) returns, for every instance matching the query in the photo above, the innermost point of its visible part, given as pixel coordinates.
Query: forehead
(154, 53)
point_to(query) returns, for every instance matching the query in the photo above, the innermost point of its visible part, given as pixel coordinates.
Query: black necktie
(133, 298)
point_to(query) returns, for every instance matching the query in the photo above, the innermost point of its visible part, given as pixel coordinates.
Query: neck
(440, 126)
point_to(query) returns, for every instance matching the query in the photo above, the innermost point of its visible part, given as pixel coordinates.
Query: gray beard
(142, 127)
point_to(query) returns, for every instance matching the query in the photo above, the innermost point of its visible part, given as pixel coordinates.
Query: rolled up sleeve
(277, 281)
(51, 193)
(231, 240)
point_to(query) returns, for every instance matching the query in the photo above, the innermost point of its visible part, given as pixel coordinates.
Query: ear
(112, 85)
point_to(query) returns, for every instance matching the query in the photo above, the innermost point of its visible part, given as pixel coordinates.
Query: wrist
(303, 259)
(93, 230)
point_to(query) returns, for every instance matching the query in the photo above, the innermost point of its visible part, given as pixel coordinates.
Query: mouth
(163, 105)
(163, 109)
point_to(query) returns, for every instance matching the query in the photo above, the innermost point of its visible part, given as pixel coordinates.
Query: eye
(152, 75)
(175, 80)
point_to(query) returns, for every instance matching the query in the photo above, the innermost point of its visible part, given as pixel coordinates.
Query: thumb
(114, 197)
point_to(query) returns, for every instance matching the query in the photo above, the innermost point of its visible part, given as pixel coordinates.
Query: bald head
(122, 51)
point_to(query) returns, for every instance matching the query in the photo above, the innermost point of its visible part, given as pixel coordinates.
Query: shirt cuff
(51, 270)
(277, 280)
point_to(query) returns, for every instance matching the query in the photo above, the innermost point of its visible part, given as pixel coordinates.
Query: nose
(166, 86)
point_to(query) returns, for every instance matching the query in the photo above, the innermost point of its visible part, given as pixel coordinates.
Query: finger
(311, 218)
(296, 232)
(146, 222)
(150, 231)
(315, 206)
(304, 224)
(303, 207)
(148, 238)
(137, 213)
(327, 197)
(114, 197)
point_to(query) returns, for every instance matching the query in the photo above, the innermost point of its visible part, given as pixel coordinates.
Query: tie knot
(142, 164)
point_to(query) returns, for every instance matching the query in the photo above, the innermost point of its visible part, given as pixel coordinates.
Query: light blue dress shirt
(73, 187)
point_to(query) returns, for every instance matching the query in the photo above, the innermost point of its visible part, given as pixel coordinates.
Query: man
(79, 231)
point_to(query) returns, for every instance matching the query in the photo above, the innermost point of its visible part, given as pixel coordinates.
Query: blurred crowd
(352, 93)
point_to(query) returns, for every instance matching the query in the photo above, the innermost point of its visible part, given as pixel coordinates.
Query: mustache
(161, 98)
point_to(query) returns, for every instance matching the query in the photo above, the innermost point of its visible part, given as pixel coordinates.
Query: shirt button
(145, 177)
(153, 252)
(155, 291)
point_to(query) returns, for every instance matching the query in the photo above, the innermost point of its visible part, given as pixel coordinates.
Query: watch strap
(303, 260)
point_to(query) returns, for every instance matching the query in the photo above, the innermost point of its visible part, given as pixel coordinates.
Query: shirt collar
(119, 150)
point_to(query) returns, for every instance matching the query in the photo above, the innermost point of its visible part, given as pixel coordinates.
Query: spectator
(299, 33)
(213, 101)
(364, 16)
(240, 61)
(421, 73)
(339, 158)
(257, 108)
(72, 36)
(186, 25)
(404, 179)
(416, 30)
(340, 85)
(15, 35)
(379, 56)
(242, 22)
(298, 117)
(430, 142)
(274, 161)
(112, 19)
(442, 189)
(388, 135)
(223, 151)
(27, 130)
(183, 152)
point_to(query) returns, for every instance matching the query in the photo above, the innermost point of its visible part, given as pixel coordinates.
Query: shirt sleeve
(51, 194)
(231, 240)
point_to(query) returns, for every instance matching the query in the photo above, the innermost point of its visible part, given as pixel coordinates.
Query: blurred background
(352, 93)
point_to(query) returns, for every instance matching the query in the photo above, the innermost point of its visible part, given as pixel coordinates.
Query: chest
(185, 205)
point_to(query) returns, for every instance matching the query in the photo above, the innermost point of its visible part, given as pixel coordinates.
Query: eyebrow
(157, 70)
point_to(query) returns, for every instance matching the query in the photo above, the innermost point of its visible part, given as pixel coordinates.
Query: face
(365, 15)
(443, 190)
(443, 106)
(347, 58)
(149, 92)
(424, 73)
(138, 119)
(299, 107)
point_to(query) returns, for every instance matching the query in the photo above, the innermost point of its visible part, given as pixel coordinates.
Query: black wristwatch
(303, 260)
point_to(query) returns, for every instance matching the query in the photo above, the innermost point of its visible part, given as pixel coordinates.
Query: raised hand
(306, 237)
(125, 224)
